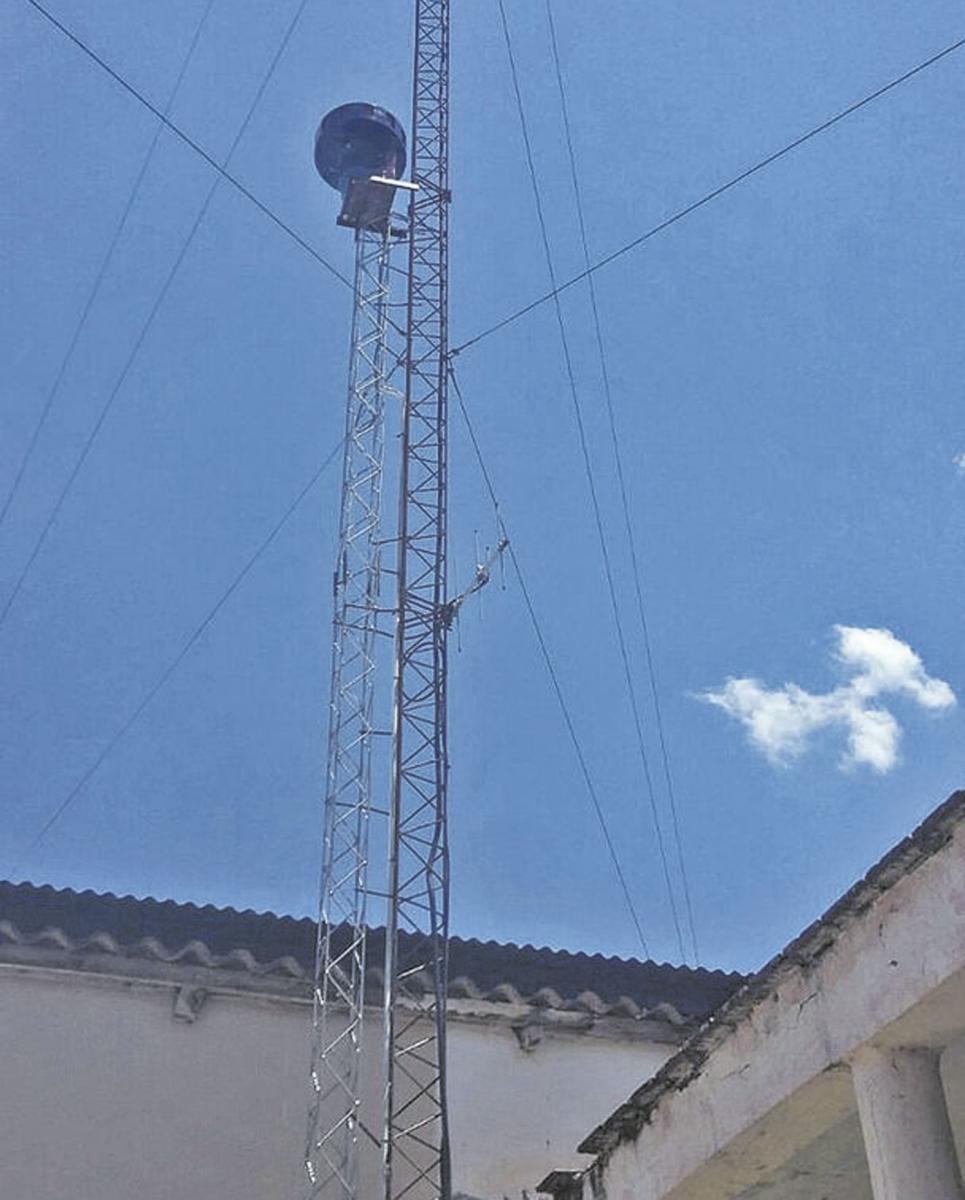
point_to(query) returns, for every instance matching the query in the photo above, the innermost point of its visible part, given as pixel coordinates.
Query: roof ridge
(166, 902)
(562, 952)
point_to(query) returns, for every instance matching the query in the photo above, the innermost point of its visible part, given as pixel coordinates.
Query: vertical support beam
(907, 1135)
(332, 1149)
(416, 1136)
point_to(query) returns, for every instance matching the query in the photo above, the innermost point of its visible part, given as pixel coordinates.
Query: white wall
(894, 976)
(105, 1097)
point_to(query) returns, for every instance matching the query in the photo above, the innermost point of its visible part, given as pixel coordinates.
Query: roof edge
(229, 911)
(931, 836)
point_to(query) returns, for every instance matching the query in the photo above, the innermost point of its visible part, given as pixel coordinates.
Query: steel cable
(594, 498)
(624, 499)
(176, 661)
(102, 271)
(145, 328)
(791, 146)
(195, 146)
(553, 673)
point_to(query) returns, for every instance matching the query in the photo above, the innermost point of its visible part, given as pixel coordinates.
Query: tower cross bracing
(333, 1150)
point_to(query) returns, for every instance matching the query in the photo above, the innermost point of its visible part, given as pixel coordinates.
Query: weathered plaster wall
(106, 1097)
(895, 975)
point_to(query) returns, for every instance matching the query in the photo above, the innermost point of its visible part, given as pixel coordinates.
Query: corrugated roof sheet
(264, 943)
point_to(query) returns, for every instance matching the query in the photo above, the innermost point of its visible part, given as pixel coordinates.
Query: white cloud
(885, 664)
(781, 721)
(959, 461)
(873, 737)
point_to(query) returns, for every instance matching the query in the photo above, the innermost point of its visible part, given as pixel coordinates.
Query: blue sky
(787, 367)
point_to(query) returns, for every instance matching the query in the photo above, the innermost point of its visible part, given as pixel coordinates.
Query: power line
(145, 328)
(709, 196)
(175, 662)
(195, 146)
(102, 271)
(553, 673)
(621, 478)
(594, 499)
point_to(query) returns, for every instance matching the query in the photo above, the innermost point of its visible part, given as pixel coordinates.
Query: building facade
(161, 1050)
(837, 1072)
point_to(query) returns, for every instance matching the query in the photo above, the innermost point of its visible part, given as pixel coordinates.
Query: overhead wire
(556, 290)
(594, 498)
(145, 328)
(621, 480)
(553, 673)
(710, 196)
(101, 272)
(178, 658)
(220, 168)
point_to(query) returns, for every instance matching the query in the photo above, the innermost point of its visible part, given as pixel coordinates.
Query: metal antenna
(357, 146)
(416, 1160)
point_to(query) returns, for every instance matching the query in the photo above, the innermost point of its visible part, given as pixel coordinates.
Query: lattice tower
(333, 1147)
(416, 1134)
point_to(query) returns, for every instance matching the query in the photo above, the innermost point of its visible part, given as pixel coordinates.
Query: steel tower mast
(340, 958)
(357, 146)
(416, 1161)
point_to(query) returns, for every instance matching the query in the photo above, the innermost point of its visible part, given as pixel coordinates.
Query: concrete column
(907, 1136)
